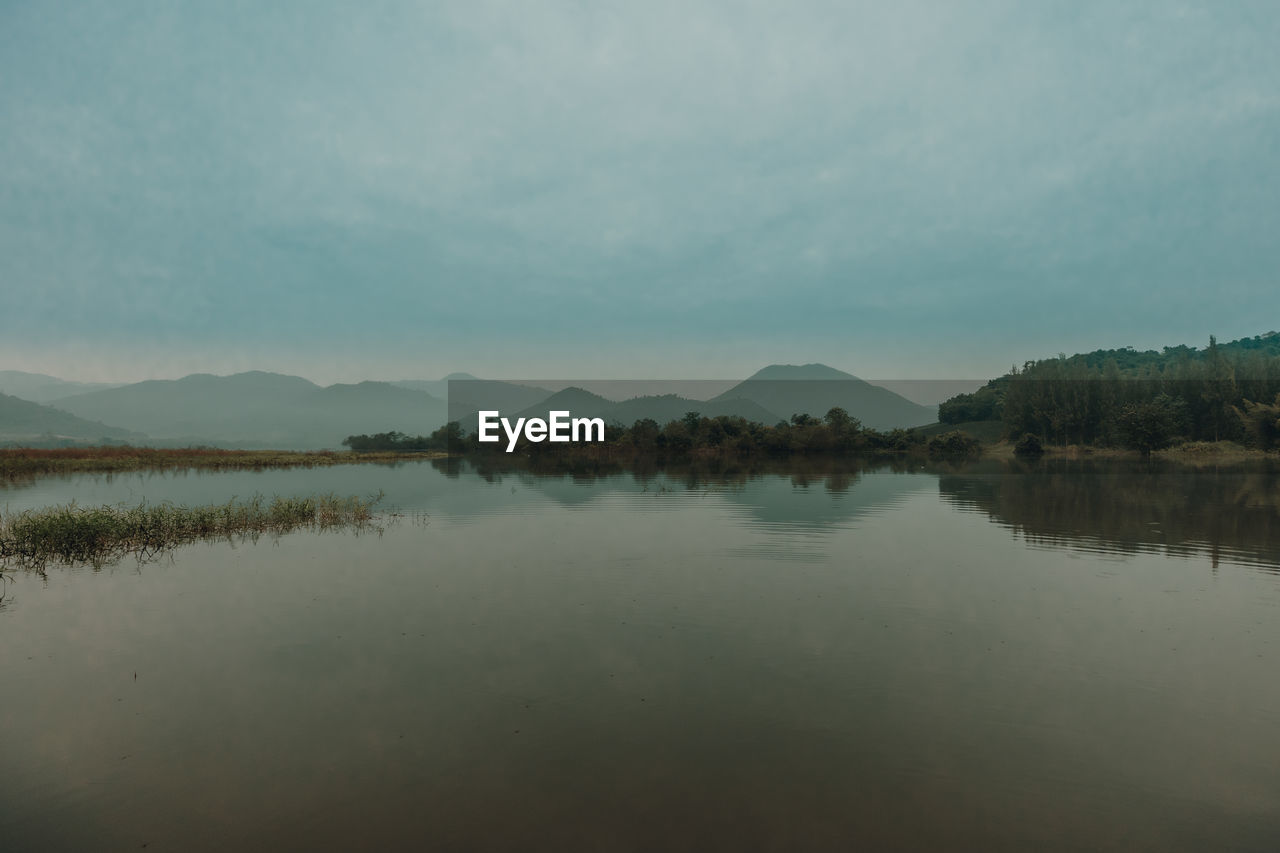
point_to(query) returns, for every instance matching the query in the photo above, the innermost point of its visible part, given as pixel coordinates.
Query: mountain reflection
(1225, 512)
(812, 494)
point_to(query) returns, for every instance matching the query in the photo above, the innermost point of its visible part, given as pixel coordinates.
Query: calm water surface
(991, 657)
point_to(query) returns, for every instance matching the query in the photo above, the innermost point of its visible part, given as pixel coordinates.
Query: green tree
(1261, 422)
(841, 421)
(644, 433)
(1149, 426)
(449, 437)
(1219, 388)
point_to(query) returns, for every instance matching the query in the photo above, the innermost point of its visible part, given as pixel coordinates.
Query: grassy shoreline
(20, 462)
(1188, 453)
(80, 535)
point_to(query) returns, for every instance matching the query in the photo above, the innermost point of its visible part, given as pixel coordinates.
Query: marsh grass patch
(80, 535)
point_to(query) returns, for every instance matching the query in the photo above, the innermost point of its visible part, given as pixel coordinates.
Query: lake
(985, 656)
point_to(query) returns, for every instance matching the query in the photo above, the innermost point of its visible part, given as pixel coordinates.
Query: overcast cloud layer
(640, 189)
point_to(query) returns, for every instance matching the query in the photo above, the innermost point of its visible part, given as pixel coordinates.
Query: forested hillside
(1137, 399)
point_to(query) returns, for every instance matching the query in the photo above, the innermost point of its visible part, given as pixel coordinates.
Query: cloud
(955, 175)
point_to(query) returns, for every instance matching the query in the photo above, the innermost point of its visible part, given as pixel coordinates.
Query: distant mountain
(809, 372)
(576, 401)
(261, 409)
(366, 407)
(929, 392)
(22, 422)
(362, 394)
(661, 408)
(434, 387)
(468, 397)
(40, 388)
(814, 389)
(770, 395)
(199, 405)
(672, 407)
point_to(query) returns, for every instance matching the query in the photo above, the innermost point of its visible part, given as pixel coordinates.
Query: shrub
(1028, 445)
(954, 443)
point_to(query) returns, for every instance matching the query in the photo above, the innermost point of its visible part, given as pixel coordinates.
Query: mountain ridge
(263, 408)
(815, 389)
(807, 372)
(25, 421)
(43, 388)
(257, 407)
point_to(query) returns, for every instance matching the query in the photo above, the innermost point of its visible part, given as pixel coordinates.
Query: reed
(73, 534)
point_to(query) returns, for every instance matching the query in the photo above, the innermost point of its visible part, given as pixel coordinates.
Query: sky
(660, 189)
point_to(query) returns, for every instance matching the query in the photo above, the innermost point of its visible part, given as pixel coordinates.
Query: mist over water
(804, 656)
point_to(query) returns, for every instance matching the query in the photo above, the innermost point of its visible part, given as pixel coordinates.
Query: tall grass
(74, 534)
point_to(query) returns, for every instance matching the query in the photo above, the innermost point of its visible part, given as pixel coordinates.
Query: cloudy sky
(684, 189)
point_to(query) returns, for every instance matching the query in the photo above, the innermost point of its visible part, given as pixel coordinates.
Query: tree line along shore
(835, 433)
(1143, 401)
(1221, 400)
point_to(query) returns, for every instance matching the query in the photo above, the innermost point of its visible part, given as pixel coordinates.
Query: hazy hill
(434, 387)
(362, 394)
(330, 414)
(40, 388)
(672, 407)
(929, 392)
(814, 389)
(466, 398)
(809, 372)
(22, 421)
(661, 408)
(270, 409)
(578, 402)
(260, 408)
(771, 395)
(197, 405)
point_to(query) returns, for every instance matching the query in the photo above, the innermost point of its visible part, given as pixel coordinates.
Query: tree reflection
(1226, 511)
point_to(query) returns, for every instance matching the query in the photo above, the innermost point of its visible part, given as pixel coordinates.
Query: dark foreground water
(995, 657)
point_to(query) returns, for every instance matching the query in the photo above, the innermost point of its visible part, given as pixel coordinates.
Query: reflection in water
(682, 658)
(1122, 507)
(1125, 508)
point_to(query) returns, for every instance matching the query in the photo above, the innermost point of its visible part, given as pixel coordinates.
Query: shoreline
(23, 462)
(18, 463)
(1189, 453)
